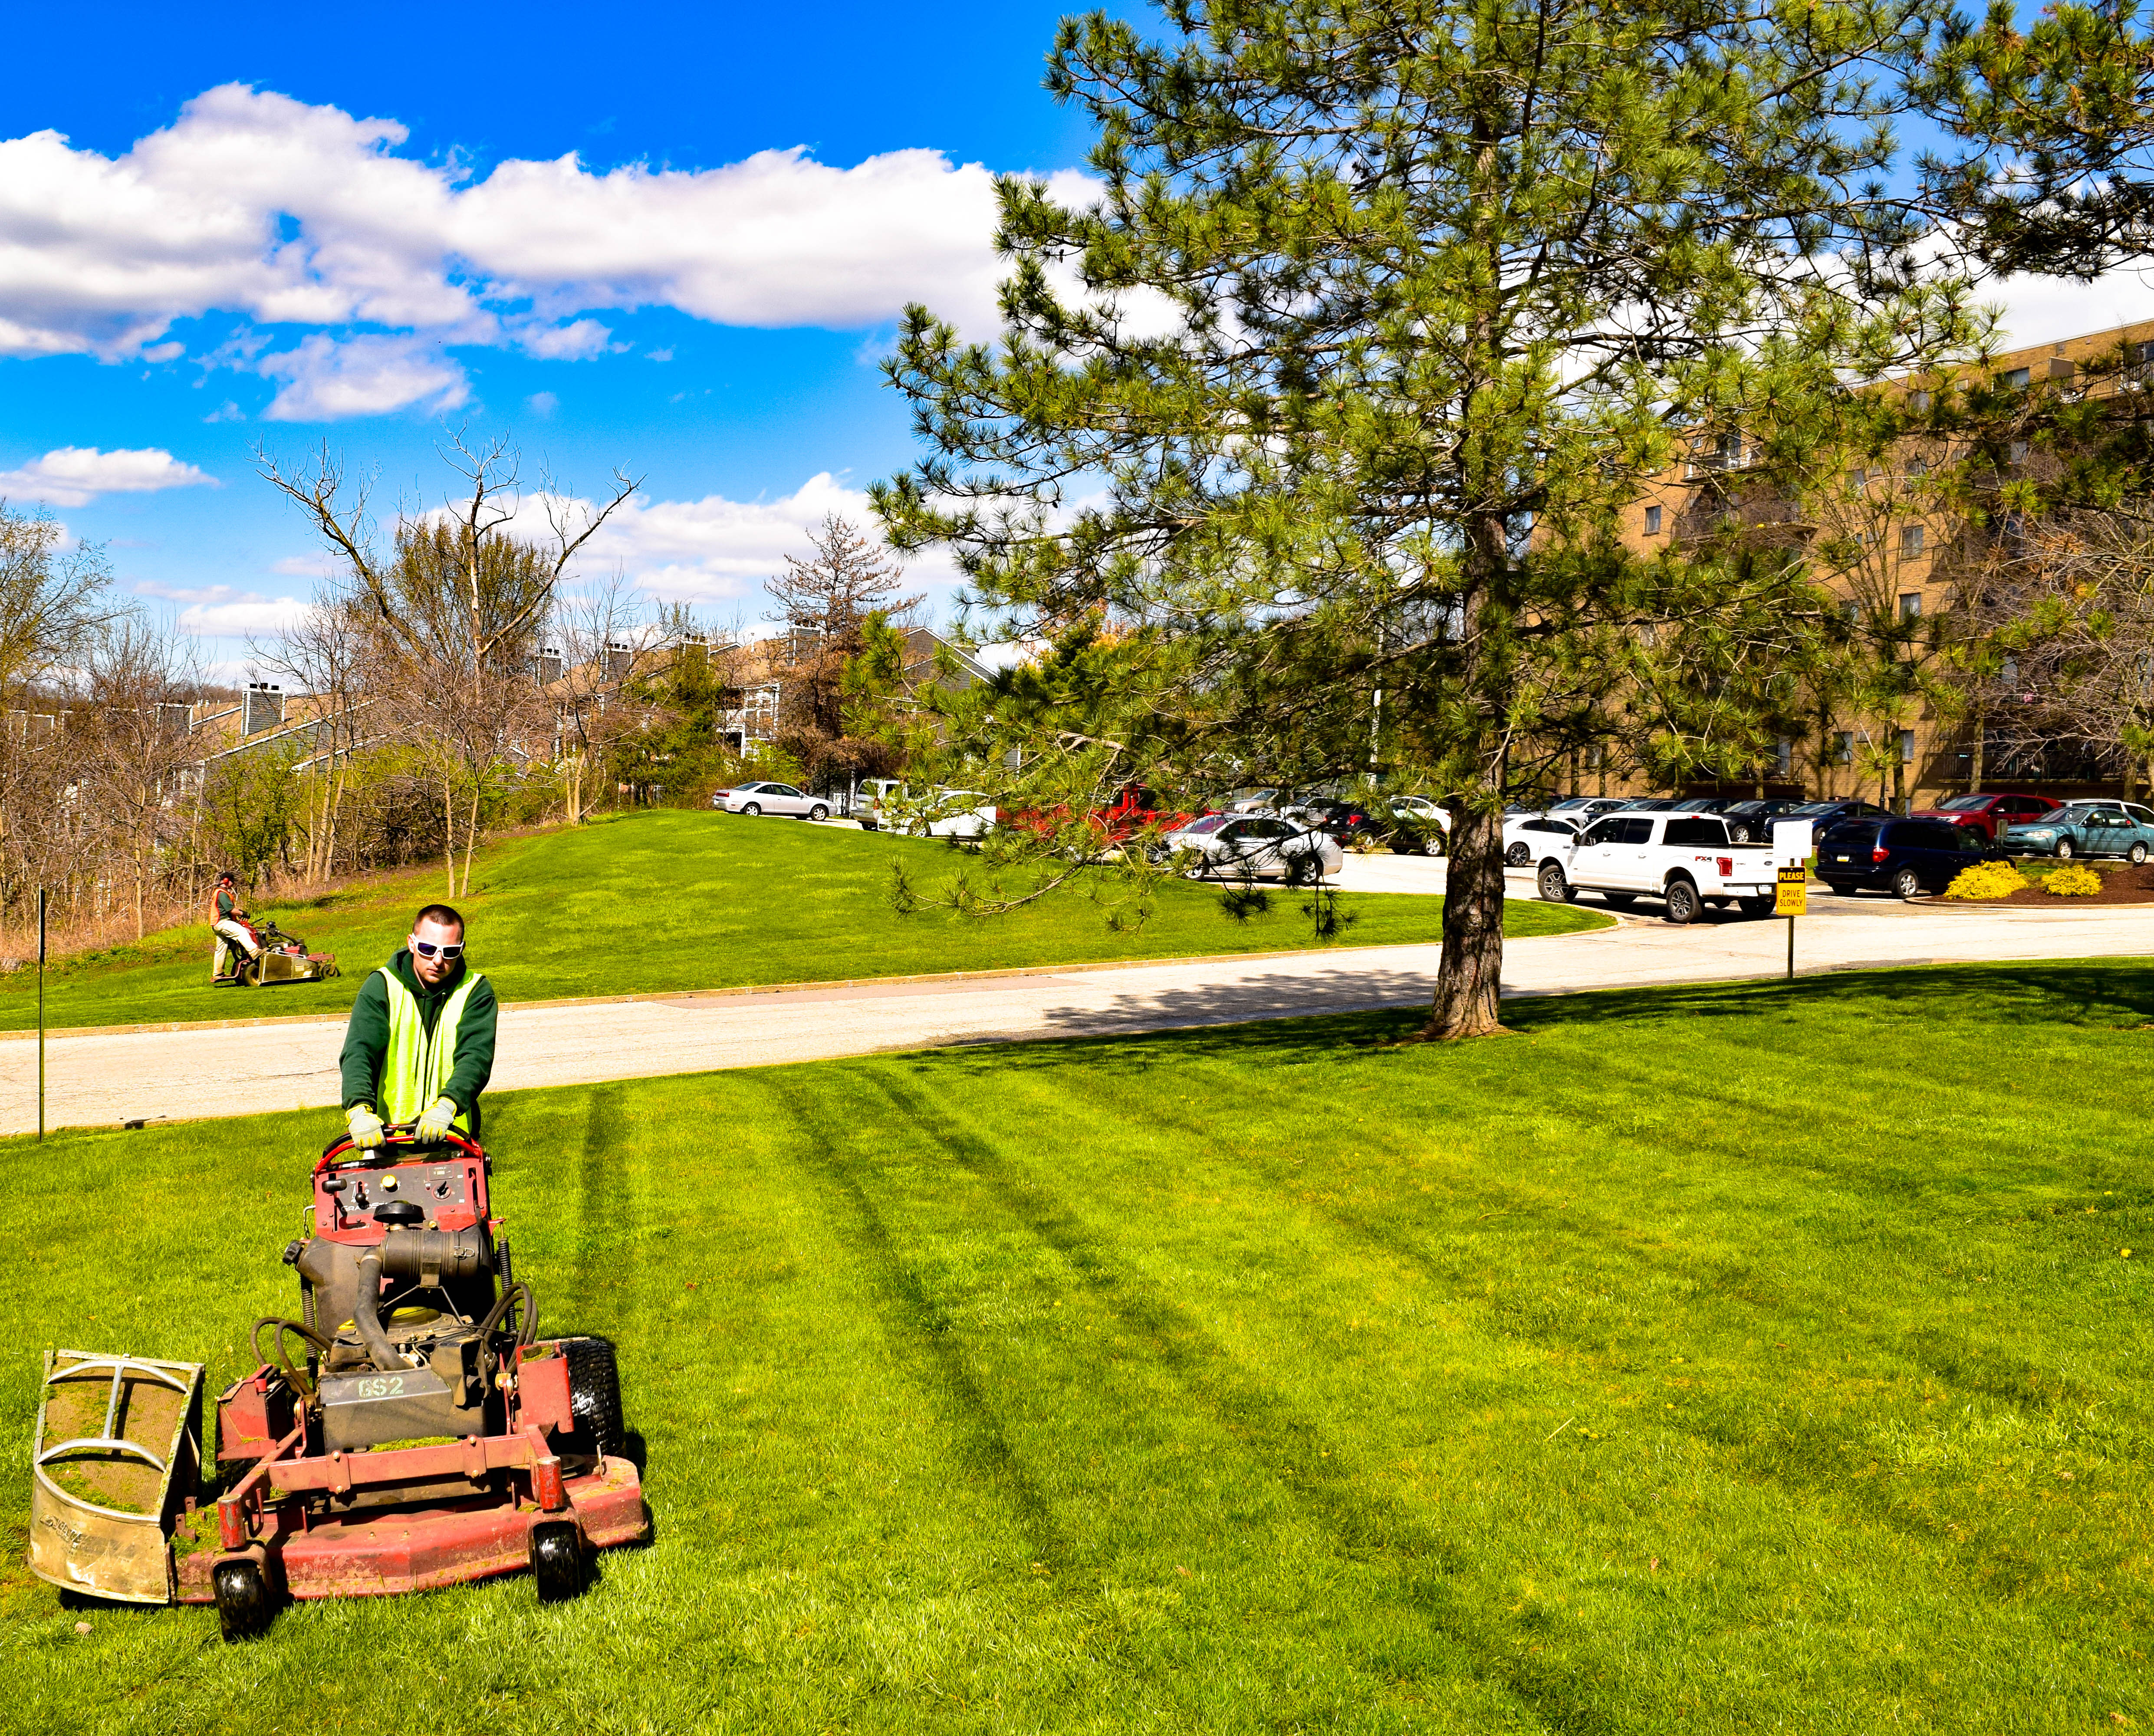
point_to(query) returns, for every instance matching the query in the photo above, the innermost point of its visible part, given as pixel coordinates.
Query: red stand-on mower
(409, 1431)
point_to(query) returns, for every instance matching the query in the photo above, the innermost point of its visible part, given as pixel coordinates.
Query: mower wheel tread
(244, 1606)
(557, 1559)
(593, 1397)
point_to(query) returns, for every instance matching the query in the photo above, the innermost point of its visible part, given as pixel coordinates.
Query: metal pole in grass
(42, 895)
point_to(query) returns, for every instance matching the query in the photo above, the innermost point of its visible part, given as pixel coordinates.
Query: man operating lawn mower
(237, 943)
(419, 1045)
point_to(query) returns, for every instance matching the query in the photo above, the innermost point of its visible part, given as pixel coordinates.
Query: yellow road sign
(1791, 896)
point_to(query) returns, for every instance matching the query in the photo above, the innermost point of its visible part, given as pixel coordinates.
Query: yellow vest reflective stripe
(414, 1066)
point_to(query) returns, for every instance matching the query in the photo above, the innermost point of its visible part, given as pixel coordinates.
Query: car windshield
(1210, 823)
(1850, 832)
(1962, 804)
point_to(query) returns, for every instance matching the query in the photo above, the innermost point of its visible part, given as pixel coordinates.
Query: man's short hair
(440, 914)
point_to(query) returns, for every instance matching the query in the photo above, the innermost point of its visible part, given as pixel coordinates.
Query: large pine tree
(1331, 408)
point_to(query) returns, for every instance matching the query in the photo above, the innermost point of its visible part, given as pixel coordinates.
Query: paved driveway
(108, 1078)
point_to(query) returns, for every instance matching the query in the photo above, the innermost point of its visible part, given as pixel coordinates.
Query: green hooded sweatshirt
(398, 1055)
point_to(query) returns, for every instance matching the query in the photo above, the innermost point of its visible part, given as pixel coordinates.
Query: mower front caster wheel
(244, 1606)
(557, 1559)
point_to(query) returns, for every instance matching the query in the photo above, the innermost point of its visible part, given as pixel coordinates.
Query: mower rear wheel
(594, 1398)
(557, 1559)
(243, 1604)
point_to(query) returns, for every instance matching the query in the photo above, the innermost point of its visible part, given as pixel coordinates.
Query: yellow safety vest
(414, 1066)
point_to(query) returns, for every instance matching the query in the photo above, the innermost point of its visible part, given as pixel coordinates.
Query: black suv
(1900, 856)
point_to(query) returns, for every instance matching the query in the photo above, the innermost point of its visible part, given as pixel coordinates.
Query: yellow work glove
(434, 1125)
(365, 1126)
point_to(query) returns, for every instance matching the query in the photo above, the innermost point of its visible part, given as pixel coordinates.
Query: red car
(1989, 814)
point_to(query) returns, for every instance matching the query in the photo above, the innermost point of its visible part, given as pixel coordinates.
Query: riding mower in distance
(280, 957)
(410, 1430)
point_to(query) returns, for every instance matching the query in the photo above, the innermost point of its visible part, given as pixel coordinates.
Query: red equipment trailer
(424, 1436)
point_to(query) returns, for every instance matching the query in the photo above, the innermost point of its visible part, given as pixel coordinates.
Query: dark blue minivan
(1904, 857)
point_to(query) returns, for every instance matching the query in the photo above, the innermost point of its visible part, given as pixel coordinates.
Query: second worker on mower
(419, 1045)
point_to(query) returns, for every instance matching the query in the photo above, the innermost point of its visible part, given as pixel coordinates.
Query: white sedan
(1528, 837)
(1256, 847)
(754, 798)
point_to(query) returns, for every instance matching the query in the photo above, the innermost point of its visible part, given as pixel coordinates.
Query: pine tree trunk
(1471, 974)
(1976, 770)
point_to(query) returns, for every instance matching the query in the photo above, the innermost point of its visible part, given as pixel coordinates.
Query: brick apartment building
(1893, 552)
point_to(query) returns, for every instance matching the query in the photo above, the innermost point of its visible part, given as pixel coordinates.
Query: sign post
(1791, 888)
(42, 896)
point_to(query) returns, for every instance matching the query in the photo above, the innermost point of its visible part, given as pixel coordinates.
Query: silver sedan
(754, 798)
(1256, 847)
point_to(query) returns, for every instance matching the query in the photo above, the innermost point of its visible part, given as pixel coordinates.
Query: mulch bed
(2121, 884)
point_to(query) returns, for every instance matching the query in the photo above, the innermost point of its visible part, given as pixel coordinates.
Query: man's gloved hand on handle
(434, 1124)
(365, 1126)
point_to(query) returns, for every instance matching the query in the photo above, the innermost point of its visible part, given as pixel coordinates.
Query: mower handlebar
(395, 1133)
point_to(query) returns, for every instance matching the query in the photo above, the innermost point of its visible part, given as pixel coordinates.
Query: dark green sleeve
(366, 1040)
(474, 1046)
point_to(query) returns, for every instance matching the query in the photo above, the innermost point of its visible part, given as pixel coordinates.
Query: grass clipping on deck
(1987, 879)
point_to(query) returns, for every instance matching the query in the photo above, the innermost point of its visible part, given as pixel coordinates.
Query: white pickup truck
(1684, 859)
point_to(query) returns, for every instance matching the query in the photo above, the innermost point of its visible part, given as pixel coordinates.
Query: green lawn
(1716, 1360)
(670, 900)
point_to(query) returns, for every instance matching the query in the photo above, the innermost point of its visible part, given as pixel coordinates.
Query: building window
(2017, 451)
(1843, 746)
(1911, 539)
(1784, 756)
(1850, 613)
(1918, 468)
(1857, 478)
(1652, 521)
(1907, 747)
(2014, 381)
(1911, 605)
(1919, 402)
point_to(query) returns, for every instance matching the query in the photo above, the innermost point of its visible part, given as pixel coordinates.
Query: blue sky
(200, 249)
(674, 241)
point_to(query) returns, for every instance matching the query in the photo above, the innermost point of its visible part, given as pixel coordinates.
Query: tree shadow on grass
(1225, 1023)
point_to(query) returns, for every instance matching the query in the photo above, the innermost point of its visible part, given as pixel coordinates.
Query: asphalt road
(107, 1079)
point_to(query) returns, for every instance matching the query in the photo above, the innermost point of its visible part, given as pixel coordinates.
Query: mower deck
(420, 1548)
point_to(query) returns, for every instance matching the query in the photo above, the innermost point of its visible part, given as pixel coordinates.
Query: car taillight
(1726, 864)
(1878, 853)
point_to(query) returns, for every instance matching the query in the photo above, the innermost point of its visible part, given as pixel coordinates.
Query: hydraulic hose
(527, 1327)
(282, 1358)
(366, 1315)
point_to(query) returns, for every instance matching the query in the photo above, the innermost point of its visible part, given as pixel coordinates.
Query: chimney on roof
(549, 665)
(265, 706)
(621, 658)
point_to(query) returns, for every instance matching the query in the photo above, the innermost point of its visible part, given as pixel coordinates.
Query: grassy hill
(1251, 1379)
(673, 899)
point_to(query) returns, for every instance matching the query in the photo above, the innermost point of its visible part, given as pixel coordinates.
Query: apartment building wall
(1936, 752)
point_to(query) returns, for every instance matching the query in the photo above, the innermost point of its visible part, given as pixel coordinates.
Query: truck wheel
(1682, 901)
(557, 1559)
(1517, 856)
(243, 1604)
(1552, 886)
(1907, 884)
(818, 812)
(594, 1398)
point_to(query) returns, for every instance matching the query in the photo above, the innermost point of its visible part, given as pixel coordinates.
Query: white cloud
(715, 549)
(2045, 310)
(223, 611)
(295, 214)
(326, 380)
(73, 476)
(542, 404)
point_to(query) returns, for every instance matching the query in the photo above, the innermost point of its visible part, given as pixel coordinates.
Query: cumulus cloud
(288, 213)
(326, 380)
(2046, 310)
(73, 476)
(719, 550)
(224, 611)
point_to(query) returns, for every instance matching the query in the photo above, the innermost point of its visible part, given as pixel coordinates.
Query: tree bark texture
(1471, 975)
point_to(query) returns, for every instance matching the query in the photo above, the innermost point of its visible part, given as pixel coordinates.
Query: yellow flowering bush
(2074, 880)
(1986, 880)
